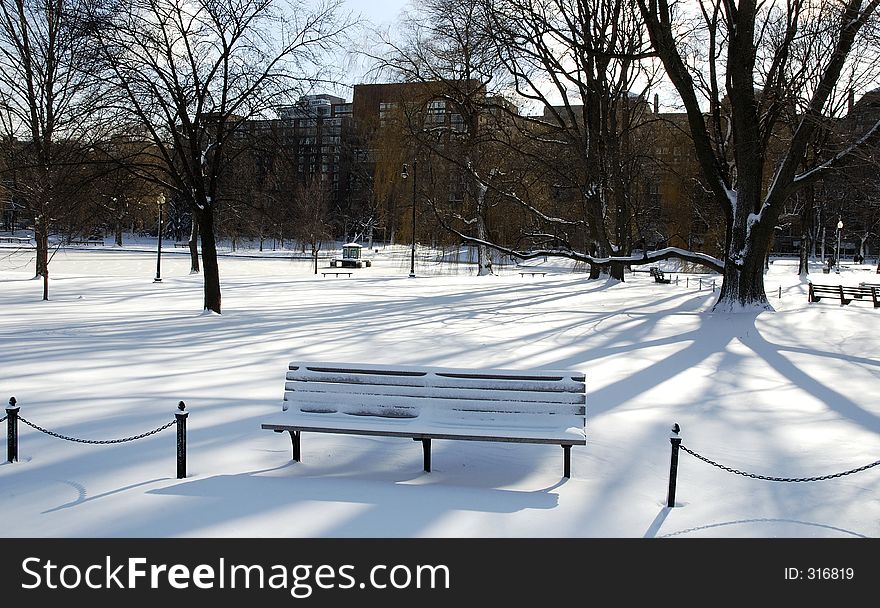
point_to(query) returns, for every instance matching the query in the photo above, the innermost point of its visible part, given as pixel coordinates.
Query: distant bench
(844, 293)
(425, 403)
(522, 274)
(181, 244)
(85, 242)
(658, 275)
(14, 239)
(335, 273)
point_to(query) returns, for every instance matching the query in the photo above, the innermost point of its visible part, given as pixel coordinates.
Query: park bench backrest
(551, 399)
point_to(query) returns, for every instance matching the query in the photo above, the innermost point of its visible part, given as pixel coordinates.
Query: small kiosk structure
(352, 257)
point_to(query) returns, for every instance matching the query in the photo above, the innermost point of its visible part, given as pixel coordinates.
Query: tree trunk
(194, 246)
(743, 285)
(118, 231)
(804, 255)
(41, 239)
(209, 259)
(484, 257)
(807, 242)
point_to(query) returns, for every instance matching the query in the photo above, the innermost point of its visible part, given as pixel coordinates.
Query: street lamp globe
(839, 230)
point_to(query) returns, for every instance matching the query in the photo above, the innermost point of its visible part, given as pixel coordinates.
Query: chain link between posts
(785, 479)
(96, 442)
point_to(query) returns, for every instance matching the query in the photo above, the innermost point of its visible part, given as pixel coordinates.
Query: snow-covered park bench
(425, 403)
(658, 275)
(843, 293)
(15, 239)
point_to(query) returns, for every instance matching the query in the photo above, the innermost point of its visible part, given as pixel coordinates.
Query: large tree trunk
(743, 285)
(118, 231)
(484, 257)
(601, 245)
(205, 219)
(194, 246)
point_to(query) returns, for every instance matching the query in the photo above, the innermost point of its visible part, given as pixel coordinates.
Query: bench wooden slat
(551, 381)
(438, 382)
(507, 394)
(417, 404)
(414, 370)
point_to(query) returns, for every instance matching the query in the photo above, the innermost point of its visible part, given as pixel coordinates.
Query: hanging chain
(96, 442)
(787, 479)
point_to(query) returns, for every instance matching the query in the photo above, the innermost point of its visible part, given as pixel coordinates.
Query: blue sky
(377, 11)
(371, 12)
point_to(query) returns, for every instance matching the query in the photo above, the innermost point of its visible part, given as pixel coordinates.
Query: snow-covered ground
(791, 393)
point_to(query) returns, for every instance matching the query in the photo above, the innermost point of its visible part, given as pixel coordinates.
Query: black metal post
(158, 278)
(295, 442)
(12, 431)
(426, 448)
(412, 253)
(181, 416)
(566, 466)
(673, 465)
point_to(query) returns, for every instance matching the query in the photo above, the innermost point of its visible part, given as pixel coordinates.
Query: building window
(436, 113)
(386, 109)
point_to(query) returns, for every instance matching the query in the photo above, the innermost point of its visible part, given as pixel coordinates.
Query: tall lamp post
(839, 230)
(161, 200)
(412, 254)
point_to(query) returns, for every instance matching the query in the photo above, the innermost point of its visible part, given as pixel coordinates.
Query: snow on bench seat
(424, 403)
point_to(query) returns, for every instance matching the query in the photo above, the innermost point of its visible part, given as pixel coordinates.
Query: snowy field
(791, 393)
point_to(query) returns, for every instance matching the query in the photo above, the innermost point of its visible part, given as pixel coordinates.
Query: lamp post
(161, 201)
(412, 254)
(839, 230)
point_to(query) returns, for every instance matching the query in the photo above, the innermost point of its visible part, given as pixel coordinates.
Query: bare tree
(193, 71)
(311, 210)
(447, 49)
(749, 78)
(586, 66)
(49, 111)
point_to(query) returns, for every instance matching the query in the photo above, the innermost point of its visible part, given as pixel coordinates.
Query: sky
(372, 14)
(378, 11)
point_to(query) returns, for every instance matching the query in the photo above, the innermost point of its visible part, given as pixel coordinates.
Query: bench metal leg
(294, 439)
(566, 468)
(426, 448)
